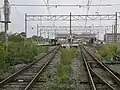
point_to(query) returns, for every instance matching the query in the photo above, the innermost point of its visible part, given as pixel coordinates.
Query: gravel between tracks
(115, 68)
(79, 75)
(50, 75)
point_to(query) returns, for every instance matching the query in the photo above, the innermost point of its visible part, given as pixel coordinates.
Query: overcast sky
(17, 13)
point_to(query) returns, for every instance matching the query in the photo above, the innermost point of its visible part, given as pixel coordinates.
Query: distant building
(86, 36)
(62, 36)
(109, 37)
(77, 36)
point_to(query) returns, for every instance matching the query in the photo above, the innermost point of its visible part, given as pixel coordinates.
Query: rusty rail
(93, 74)
(16, 74)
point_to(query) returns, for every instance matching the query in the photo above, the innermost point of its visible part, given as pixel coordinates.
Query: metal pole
(37, 34)
(70, 32)
(55, 29)
(106, 35)
(6, 16)
(55, 33)
(45, 35)
(112, 33)
(70, 25)
(40, 35)
(98, 35)
(40, 32)
(112, 29)
(115, 32)
(0, 20)
(25, 25)
(48, 35)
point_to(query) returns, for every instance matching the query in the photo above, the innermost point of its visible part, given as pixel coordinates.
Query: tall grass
(19, 52)
(108, 51)
(63, 81)
(64, 68)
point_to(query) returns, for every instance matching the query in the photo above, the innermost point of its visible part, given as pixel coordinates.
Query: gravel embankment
(79, 75)
(50, 75)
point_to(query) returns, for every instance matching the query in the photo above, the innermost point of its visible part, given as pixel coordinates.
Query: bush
(22, 52)
(19, 52)
(67, 55)
(64, 68)
(2, 57)
(108, 51)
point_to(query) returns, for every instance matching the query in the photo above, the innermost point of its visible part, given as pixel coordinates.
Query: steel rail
(11, 77)
(92, 84)
(95, 74)
(106, 68)
(116, 73)
(34, 80)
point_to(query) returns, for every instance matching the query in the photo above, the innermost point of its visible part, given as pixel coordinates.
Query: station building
(109, 37)
(78, 37)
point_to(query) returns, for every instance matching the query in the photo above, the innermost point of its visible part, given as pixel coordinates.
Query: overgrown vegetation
(63, 81)
(108, 51)
(23, 52)
(19, 50)
(64, 68)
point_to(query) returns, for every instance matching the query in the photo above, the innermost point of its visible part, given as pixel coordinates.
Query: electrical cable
(99, 6)
(48, 8)
(62, 5)
(88, 8)
(47, 4)
(15, 9)
(98, 10)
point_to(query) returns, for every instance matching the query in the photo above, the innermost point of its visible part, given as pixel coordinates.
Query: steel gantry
(67, 17)
(75, 28)
(112, 17)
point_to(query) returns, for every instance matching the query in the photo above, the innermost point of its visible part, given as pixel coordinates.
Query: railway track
(100, 77)
(27, 77)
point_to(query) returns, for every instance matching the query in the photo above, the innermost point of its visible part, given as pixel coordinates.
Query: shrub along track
(100, 77)
(27, 77)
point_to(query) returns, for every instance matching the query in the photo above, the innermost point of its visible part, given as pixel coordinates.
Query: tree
(15, 38)
(1, 36)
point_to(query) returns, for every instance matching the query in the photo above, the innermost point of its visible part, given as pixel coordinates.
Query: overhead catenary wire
(47, 6)
(89, 3)
(62, 5)
(87, 12)
(99, 6)
(16, 10)
(98, 10)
